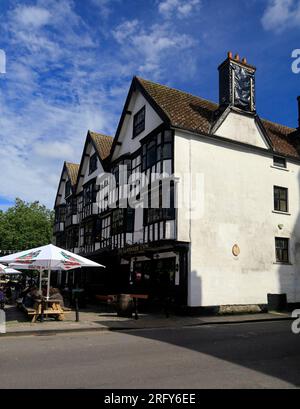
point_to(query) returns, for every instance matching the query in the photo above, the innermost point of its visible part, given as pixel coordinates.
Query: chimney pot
(229, 55)
(237, 57)
(244, 60)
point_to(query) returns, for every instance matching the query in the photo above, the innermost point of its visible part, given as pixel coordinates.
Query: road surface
(255, 355)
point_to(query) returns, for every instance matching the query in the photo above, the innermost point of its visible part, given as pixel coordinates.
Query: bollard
(136, 315)
(42, 318)
(77, 308)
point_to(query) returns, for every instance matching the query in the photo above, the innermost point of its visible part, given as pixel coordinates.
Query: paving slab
(95, 319)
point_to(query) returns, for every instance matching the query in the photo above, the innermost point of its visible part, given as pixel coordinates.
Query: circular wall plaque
(236, 250)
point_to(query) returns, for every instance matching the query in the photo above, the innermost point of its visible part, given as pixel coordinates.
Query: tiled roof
(195, 114)
(73, 169)
(285, 140)
(103, 144)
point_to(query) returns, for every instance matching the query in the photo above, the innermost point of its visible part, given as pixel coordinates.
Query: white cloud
(281, 14)
(179, 8)
(54, 149)
(152, 46)
(105, 6)
(125, 30)
(61, 81)
(37, 141)
(51, 95)
(31, 16)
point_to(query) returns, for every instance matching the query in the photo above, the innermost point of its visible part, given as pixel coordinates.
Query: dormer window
(93, 163)
(279, 162)
(139, 122)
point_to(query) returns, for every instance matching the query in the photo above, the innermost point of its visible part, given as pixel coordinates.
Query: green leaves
(25, 226)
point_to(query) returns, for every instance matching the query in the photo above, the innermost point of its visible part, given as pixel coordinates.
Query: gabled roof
(102, 144)
(72, 172)
(188, 112)
(72, 169)
(183, 110)
(285, 140)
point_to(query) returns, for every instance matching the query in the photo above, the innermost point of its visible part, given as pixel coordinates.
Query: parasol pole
(76, 297)
(40, 284)
(48, 283)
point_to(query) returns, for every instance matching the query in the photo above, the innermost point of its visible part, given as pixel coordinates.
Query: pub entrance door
(156, 277)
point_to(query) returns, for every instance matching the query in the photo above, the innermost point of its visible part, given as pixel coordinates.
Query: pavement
(249, 355)
(103, 319)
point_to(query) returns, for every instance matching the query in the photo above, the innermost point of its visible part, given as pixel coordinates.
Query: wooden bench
(55, 310)
(32, 312)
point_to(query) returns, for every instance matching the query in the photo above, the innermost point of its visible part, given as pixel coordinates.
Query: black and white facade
(233, 244)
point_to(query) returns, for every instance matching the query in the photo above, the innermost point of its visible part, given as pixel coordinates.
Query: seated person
(28, 301)
(55, 294)
(31, 297)
(8, 294)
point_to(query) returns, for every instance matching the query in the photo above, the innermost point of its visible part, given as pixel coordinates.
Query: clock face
(243, 88)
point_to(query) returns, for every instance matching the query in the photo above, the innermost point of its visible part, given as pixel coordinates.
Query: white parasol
(50, 258)
(7, 270)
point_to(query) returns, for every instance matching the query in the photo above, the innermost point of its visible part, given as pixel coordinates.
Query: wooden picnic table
(44, 308)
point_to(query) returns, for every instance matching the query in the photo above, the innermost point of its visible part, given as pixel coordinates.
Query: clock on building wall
(236, 250)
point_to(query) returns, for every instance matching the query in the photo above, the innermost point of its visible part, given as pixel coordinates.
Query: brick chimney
(237, 83)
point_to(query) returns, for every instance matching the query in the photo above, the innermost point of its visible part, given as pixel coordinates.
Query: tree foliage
(25, 226)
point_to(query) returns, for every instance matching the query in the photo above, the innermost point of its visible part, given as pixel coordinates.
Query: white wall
(243, 129)
(152, 121)
(62, 192)
(90, 150)
(131, 145)
(237, 209)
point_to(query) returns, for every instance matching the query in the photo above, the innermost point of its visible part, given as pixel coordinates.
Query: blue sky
(70, 63)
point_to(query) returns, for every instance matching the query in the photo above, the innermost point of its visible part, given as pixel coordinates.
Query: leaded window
(139, 122)
(93, 163)
(157, 149)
